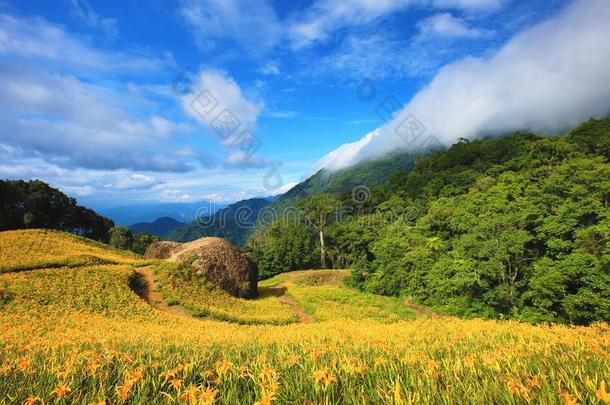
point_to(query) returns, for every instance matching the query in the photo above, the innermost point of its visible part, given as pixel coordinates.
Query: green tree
(319, 211)
(283, 246)
(528, 238)
(515, 227)
(28, 219)
(121, 237)
(141, 242)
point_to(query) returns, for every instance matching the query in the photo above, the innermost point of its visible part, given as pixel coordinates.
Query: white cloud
(72, 116)
(251, 24)
(326, 16)
(545, 79)
(76, 181)
(283, 189)
(175, 195)
(217, 102)
(133, 181)
(101, 187)
(374, 56)
(228, 185)
(213, 92)
(351, 153)
(205, 160)
(164, 128)
(241, 160)
(364, 50)
(381, 55)
(270, 68)
(79, 191)
(470, 5)
(36, 39)
(236, 21)
(446, 25)
(318, 23)
(82, 10)
(80, 124)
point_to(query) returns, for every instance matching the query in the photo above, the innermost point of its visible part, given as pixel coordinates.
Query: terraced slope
(43, 248)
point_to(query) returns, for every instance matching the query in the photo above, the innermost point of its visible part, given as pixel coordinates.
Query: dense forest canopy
(515, 227)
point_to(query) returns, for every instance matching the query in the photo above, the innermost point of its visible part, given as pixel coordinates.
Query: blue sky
(98, 95)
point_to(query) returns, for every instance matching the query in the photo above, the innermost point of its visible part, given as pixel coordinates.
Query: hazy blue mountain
(183, 212)
(159, 226)
(234, 223)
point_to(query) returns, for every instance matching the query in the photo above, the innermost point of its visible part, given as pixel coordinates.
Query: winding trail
(279, 291)
(294, 306)
(150, 294)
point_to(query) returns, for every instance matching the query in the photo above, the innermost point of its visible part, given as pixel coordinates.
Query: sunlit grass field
(79, 334)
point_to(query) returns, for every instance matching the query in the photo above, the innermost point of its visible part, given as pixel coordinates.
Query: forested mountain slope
(35, 204)
(517, 227)
(370, 173)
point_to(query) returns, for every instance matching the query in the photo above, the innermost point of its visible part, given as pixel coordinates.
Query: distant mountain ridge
(132, 214)
(234, 223)
(159, 227)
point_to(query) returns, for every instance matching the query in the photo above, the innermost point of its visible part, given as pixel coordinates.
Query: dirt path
(300, 313)
(150, 294)
(421, 311)
(279, 291)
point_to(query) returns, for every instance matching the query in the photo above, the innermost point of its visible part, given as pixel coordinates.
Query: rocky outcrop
(216, 259)
(161, 250)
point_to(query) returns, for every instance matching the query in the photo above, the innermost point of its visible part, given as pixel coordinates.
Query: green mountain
(234, 223)
(362, 177)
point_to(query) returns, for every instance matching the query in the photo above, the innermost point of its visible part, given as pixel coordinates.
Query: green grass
(323, 294)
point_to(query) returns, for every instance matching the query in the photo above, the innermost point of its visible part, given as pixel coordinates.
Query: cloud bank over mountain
(545, 79)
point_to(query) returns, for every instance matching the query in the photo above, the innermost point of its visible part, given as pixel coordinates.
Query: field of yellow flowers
(79, 334)
(39, 249)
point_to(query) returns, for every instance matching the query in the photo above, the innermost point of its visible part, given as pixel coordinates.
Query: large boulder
(216, 259)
